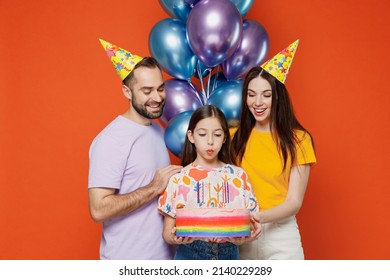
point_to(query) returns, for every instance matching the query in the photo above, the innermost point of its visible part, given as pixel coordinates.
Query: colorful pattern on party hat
(279, 65)
(122, 60)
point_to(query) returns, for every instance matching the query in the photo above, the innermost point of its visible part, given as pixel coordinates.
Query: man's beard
(142, 110)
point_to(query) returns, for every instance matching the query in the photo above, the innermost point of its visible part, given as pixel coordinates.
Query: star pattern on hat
(122, 60)
(279, 65)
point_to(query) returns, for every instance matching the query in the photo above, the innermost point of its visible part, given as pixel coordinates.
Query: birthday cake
(212, 222)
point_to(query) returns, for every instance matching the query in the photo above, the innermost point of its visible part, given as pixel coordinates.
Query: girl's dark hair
(282, 120)
(148, 62)
(189, 150)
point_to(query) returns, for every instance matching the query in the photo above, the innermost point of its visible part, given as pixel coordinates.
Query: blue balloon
(215, 81)
(243, 6)
(176, 132)
(227, 97)
(169, 46)
(192, 2)
(201, 69)
(177, 8)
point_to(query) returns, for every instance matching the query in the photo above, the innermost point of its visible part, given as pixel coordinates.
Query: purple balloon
(181, 96)
(251, 51)
(214, 30)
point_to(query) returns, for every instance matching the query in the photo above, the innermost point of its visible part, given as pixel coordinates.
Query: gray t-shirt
(125, 156)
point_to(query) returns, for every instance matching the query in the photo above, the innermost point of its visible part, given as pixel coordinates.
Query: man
(129, 165)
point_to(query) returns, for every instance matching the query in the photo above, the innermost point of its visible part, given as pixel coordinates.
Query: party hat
(122, 60)
(279, 65)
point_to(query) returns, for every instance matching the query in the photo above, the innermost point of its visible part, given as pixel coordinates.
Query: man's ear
(190, 136)
(126, 91)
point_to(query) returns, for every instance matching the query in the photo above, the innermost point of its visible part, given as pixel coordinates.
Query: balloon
(177, 8)
(176, 132)
(251, 51)
(181, 96)
(192, 2)
(214, 30)
(215, 81)
(227, 97)
(243, 6)
(204, 70)
(169, 46)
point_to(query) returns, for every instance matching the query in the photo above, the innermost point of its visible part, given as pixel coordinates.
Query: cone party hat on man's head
(122, 60)
(279, 65)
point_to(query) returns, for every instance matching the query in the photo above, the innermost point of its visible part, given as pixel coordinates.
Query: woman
(276, 151)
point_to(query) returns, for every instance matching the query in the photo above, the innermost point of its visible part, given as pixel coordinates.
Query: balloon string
(215, 79)
(208, 82)
(201, 79)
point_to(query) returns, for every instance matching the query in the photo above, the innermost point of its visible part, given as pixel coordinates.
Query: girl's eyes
(216, 135)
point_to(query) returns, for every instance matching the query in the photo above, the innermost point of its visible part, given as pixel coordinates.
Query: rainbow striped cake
(212, 222)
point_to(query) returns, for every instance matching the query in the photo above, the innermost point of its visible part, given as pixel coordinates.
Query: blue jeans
(201, 250)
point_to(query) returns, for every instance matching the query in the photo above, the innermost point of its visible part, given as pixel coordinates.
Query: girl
(276, 151)
(208, 167)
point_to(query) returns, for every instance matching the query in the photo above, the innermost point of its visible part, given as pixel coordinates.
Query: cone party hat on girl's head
(279, 65)
(122, 60)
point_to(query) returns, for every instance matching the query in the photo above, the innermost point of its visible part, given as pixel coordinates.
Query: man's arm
(104, 204)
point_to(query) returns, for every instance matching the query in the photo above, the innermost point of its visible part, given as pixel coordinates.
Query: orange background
(58, 90)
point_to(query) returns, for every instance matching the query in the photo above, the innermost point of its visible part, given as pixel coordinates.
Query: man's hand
(161, 178)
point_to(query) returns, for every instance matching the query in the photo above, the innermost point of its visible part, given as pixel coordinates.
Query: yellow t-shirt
(264, 166)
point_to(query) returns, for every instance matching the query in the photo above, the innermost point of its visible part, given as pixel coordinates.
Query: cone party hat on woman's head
(122, 60)
(279, 65)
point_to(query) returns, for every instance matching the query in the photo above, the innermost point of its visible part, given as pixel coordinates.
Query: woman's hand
(237, 240)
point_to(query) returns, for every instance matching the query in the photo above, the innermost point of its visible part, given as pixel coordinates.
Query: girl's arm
(169, 232)
(299, 177)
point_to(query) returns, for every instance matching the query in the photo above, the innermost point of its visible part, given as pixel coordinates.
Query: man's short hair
(148, 62)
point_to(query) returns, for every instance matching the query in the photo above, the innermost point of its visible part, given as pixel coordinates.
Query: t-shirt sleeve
(107, 163)
(250, 199)
(167, 201)
(305, 150)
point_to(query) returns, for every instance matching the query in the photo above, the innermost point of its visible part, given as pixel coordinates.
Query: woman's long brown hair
(282, 120)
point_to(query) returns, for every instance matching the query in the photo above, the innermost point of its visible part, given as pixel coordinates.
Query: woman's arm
(299, 177)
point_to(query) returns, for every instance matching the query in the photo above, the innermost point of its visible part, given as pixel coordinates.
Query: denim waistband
(203, 245)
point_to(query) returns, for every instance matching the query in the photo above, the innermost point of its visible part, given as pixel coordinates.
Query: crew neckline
(208, 168)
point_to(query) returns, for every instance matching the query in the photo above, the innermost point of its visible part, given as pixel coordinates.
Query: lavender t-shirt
(125, 156)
